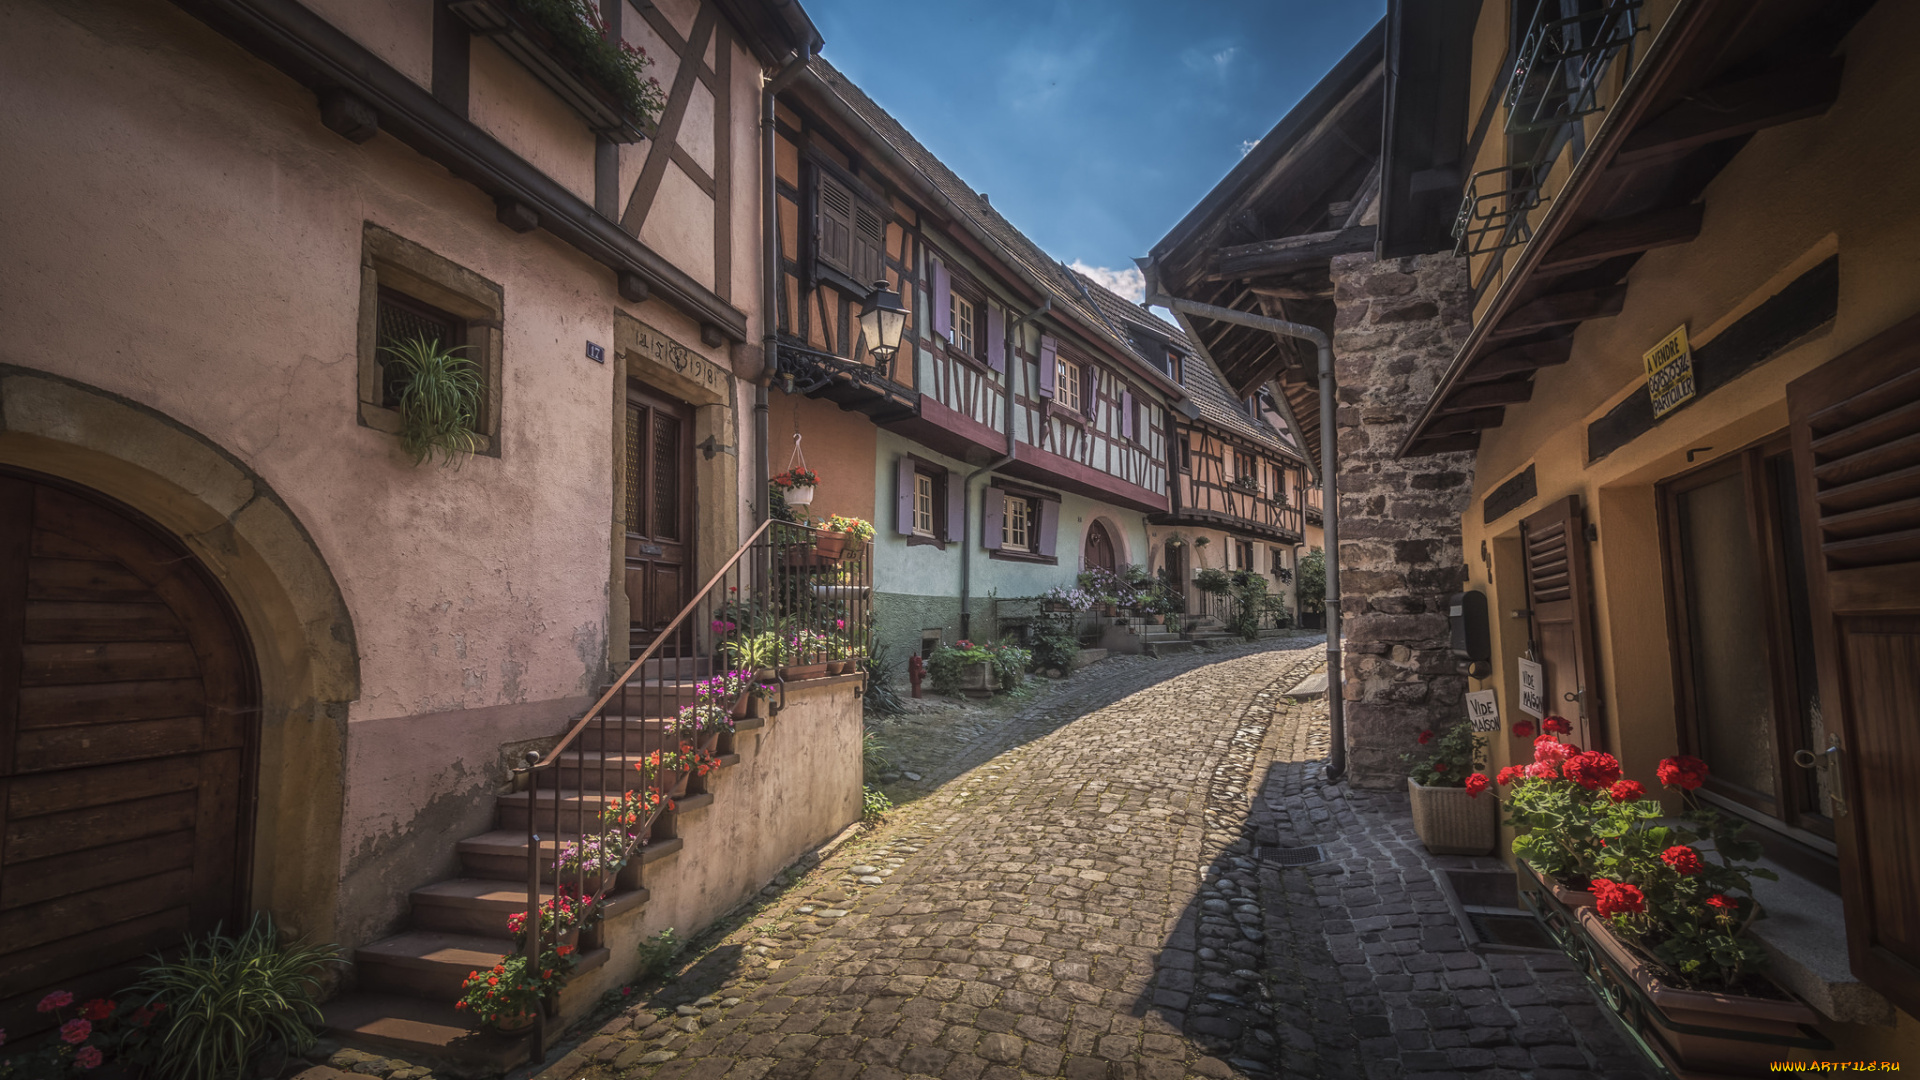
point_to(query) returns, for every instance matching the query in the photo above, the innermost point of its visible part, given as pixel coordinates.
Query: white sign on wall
(1483, 711)
(1533, 690)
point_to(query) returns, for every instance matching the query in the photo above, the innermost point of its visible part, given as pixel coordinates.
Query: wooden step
(502, 855)
(426, 963)
(418, 1029)
(483, 905)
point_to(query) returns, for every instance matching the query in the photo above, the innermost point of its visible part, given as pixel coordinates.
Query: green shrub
(1056, 642)
(232, 1002)
(658, 951)
(874, 805)
(1212, 581)
(1249, 591)
(1310, 583)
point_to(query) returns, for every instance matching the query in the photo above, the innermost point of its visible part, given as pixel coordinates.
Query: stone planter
(1451, 822)
(976, 680)
(1680, 1014)
(795, 672)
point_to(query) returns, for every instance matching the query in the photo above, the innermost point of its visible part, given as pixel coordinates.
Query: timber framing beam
(1563, 309)
(1470, 398)
(1446, 444)
(1518, 359)
(1625, 236)
(1732, 109)
(1290, 254)
(1463, 422)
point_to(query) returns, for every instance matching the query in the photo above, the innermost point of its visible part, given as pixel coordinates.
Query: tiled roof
(1056, 281)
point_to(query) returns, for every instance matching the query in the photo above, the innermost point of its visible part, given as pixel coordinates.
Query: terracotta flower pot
(1451, 822)
(794, 672)
(512, 1025)
(764, 675)
(1574, 899)
(742, 706)
(1737, 1014)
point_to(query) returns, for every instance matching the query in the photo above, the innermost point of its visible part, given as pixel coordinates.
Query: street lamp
(882, 320)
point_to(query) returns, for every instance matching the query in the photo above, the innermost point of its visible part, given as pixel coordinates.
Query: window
(922, 504)
(963, 323)
(1743, 655)
(1186, 454)
(1016, 533)
(849, 232)
(1067, 385)
(1244, 552)
(926, 512)
(408, 292)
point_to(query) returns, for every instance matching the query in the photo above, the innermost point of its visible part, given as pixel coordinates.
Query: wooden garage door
(126, 710)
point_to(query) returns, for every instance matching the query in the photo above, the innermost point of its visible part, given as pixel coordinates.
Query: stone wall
(1399, 323)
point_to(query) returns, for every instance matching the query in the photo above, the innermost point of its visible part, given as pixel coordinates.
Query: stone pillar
(1398, 325)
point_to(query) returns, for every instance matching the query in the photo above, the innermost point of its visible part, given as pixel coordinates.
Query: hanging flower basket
(797, 483)
(799, 496)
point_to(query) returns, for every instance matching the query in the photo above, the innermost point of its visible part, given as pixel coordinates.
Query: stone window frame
(390, 260)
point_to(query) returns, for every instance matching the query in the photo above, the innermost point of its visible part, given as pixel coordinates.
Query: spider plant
(439, 399)
(233, 1001)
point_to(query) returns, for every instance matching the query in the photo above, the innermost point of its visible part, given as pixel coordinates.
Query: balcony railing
(1234, 505)
(1556, 78)
(868, 388)
(1493, 212)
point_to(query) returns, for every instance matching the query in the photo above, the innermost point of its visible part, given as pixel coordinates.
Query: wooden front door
(1099, 553)
(127, 712)
(1560, 597)
(1855, 425)
(1176, 573)
(659, 501)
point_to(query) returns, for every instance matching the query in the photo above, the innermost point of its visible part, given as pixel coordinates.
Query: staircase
(407, 983)
(1200, 632)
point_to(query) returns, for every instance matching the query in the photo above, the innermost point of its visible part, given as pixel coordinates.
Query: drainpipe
(966, 497)
(1329, 487)
(770, 269)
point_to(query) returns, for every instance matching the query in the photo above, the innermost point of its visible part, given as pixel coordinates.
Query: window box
(553, 63)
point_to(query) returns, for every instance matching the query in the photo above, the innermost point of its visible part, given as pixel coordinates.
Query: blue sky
(1094, 125)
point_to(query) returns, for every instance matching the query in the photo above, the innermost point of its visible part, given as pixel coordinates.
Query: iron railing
(1494, 209)
(1556, 77)
(794, 602)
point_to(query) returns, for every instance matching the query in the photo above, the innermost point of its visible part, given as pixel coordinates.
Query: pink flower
(76, 1031)
(59, 999)
(88, 1057)
(1476, 783)
(839, 624)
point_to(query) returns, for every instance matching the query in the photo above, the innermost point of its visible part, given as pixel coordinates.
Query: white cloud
(1128, 282)
(1247, 145)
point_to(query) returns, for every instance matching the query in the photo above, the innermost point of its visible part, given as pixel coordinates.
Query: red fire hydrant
(916, 670)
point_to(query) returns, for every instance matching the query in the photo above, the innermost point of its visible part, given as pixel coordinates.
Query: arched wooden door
(1099, 553)
(128, 707)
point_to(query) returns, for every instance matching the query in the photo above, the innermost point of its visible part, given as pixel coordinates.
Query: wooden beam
(1457, 423)
(1624, 236)
(1278, 256)
(1516, 359)
(1469, 398)
(1445, 444)
(1562, 309)
(1731, 109)
(1282, 292)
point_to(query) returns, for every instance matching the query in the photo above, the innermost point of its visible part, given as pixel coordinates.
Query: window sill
(1805, 935)
(916, 540)
(1023, 556)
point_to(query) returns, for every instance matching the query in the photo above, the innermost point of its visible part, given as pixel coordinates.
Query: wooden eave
(1227, 522)
(1717, 72)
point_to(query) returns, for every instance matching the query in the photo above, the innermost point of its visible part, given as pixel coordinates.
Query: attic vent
(1297, 856)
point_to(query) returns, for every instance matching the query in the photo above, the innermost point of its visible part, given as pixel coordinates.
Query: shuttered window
(1560, 600)
(923, 503)
(1067, 384)
(963, 316)
(850, 234)
(1017, 527)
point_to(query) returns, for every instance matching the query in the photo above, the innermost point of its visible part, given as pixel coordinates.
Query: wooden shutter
(942, 300)
(996, 338)
(869, 244)
(1560, 597)
(1126, 414)
(993, 519)
(1089, 391)
(903, 496)
(1049, 524)
(1856, 447)
(833, 223)
(1049, 364)
(956, 505)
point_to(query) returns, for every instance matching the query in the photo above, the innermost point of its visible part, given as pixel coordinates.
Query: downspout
(769, 270)
(966, 497)
(1329, 487)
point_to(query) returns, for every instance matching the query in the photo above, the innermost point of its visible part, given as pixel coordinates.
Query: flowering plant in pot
(796, 485)
(1445, 789)
(1565, 805)
(507, 996)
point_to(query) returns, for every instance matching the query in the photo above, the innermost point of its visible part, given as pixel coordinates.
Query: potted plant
(1214, 582)
(1063, 598)
(1561, 821)
(1448, 814)
(1176, 539)
(963, 668)
(757, 653)
(507, 996)
(796, 485)
(439, 399)
(811, 648)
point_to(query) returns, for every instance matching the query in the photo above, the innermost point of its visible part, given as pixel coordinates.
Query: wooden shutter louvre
(1126, 414)
(1855, 424)
(903, 496)
(869, 244)
(833, 223)
(1560, 599)
(956, 505)
(993, 518)
(1049, 365)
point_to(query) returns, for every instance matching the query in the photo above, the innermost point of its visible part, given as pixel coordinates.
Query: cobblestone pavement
(1095, 897)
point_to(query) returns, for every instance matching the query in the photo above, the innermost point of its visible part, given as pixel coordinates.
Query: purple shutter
(942, 300)
(993, 521)
(996, 338)
(1049, 364)
(956, 504)
(1089, 392)
(903, 496)
(1126, 414)
(1049, 524)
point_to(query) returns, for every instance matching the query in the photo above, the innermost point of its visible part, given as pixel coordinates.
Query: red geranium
(1556, 724)
(97, 1009)
(76, 1031)
(1476, 783)
(1617, 898)
(1425, 738)
(1523, 729)
(1511, 773)
(1720, 900)
(1683, 772)
(1439, 766)
(1592, 769)
(1626, 790)
(1683, 858)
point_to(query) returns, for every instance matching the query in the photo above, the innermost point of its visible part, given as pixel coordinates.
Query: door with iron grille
(659, 518)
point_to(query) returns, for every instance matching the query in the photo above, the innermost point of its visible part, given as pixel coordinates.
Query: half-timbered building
(1015, 440)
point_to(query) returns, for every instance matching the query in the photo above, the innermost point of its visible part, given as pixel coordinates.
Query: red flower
(1476, 783)
(1523, 729)
(1592, 769)
(1626, 790)
(1439, 766)
(97, 1009)
(88, 1057)
(1683, 858)
(1556, 724)
(1425, 737)
(76, 1031)
(1720, 900)
(1511, 773)
(1617, 898)
(1682, 772)
(59, 999)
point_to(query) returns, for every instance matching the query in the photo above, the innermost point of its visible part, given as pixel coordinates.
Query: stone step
(482, 906)
(579, 810)
(502, 855)
(420, 1029)
(1171, 647)
(426, 963)
(606, 771)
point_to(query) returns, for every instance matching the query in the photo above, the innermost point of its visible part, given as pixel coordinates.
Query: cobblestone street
(1097, 894)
